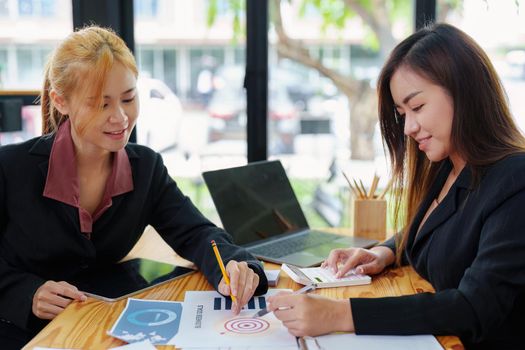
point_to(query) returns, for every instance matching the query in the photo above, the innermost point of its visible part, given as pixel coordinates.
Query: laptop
(258, 207)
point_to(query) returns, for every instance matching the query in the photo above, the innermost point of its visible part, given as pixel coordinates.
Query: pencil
(361, 195)
(305, 289)
(373, 187)
(221, 265)
(354, 191)
(387, 187)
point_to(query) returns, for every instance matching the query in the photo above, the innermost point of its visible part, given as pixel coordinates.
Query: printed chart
(207, 321)
(157, 321)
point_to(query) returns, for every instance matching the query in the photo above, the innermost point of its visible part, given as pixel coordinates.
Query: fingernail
(359, 270)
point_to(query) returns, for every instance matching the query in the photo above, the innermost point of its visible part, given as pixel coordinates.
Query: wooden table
(84, 325)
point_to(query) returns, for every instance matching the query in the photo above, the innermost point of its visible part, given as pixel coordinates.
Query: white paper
(272, 276)
(143, 345)
(206, 322)
(372, 342)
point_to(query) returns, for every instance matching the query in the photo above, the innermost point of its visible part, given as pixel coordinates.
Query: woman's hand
(311, 315)
(243, 282)
(365, 261)
(52, 297)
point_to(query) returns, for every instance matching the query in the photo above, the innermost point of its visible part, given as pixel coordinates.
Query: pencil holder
(370, 218)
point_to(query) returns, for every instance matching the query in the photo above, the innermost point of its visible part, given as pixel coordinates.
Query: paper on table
(143, 345)
(155, 320)
(372, 342)
(272, 276)
(207, 321)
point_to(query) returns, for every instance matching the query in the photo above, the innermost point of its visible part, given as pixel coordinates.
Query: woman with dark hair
(459, 162)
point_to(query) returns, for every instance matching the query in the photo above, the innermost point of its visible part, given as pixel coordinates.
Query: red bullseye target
(246, 325)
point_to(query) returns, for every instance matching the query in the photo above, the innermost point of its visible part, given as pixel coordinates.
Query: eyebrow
(125, 92)
(410, 96)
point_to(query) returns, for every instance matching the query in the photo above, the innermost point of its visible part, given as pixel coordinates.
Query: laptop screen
(255, 201)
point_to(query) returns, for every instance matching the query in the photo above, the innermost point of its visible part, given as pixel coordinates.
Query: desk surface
(84, 325)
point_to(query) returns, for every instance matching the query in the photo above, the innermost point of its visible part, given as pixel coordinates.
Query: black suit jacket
(40, 238)
(472, 250)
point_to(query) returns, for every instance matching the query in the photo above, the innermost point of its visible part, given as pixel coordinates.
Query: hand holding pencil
(238, 281)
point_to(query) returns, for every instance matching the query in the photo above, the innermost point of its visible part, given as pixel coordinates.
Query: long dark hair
(483, 130)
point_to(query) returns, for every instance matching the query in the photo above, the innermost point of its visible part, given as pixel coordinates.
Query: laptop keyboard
(279, 248)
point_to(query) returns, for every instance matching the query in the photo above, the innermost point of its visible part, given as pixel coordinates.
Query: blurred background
(323, 62)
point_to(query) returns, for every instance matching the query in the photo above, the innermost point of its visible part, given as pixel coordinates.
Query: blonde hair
(80, 65)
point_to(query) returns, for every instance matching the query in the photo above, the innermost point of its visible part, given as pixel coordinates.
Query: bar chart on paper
(207, 321)
(255, 303)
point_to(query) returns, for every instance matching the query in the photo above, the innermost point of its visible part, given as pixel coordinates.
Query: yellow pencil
(221, 265)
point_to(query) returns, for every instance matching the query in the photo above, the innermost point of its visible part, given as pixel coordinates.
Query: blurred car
(157, 126)
(227, 111)
(160, 115)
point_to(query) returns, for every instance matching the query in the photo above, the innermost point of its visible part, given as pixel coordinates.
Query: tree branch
(295, 50)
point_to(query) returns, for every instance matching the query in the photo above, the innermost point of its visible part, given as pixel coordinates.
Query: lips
(423, 139)
(117, 132)
(423, 143)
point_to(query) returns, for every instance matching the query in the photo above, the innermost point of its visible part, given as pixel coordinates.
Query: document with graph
(207, 321)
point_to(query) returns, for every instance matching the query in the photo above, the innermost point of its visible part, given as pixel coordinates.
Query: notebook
(324, 278)
(258, 207)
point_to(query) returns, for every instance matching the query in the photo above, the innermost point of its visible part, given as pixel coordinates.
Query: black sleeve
(484, 298)
(16, 287)
(391, 243)
(190, 234)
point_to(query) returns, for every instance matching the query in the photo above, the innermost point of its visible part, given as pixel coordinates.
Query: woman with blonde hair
(80, 196)
(459, 161)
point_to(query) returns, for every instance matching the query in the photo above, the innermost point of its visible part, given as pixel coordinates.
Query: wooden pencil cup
(370, 218)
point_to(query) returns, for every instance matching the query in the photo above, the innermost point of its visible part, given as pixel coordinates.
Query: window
(3, 66)
(505, 46)
(4, 8)
(30, 64)
(316, 126)
(30, 30)
(177, 48)
(145, 9)
(36, 8)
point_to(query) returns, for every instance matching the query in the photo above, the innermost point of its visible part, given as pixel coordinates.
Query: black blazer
(472, 250)
(40, 238)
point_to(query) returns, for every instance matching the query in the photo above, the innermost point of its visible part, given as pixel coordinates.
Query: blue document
(154, 320)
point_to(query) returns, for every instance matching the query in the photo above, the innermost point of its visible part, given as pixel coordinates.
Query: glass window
(26, 7)
(145, 60)
(320, 124)
(23, 57)
(145, 9)
(26, 71)
(169, 59)
(30, 64)
(3, 66)
(4, 8)
(200, 123)
(47, 8)
(505, 46)
(36, 8)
